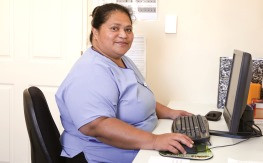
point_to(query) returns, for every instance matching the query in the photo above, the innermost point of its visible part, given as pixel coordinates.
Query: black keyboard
(194, 126)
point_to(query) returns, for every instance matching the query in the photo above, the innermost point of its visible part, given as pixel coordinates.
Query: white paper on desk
(160, 159)
(230, 160)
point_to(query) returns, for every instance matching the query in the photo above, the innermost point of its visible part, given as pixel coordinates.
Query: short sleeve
(91, 94)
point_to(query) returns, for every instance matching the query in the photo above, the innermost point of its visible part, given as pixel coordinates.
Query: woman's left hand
(164, 112)
(178, 113)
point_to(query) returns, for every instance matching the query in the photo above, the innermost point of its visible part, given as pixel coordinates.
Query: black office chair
(42, 130)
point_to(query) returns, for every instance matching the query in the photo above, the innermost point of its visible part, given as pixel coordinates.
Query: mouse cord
(221, 146)
(227, 145)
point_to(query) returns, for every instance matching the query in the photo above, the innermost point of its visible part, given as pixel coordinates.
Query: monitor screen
(238, 88)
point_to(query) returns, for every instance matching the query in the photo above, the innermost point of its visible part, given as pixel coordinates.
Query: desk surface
(250, 150)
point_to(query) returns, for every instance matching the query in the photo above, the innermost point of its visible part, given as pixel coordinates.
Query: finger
(187, 143)
(176, 145)
(189, 139)
(184, 139)
(179, 136)
(173, 150)
(185, 113)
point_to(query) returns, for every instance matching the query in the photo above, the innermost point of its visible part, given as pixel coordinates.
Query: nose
(122, 33)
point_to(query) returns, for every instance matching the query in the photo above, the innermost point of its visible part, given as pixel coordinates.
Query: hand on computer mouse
(189, 150)
(172, 142)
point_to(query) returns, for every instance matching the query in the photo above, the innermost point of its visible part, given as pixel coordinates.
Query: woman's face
(114, 38)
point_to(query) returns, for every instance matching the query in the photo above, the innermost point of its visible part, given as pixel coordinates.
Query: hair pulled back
(100, 15)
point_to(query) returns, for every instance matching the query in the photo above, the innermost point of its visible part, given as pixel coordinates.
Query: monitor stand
(245, 130)
(244, 135)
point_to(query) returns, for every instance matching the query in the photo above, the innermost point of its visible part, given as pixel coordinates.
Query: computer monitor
(237, 114)
(237, 94)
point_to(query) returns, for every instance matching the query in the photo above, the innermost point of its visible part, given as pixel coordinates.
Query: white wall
(184, 66)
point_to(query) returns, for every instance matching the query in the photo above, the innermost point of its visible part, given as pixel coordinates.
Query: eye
(114, 28)
(128, 30)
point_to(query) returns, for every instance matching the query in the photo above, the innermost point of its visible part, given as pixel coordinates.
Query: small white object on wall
(170, 23)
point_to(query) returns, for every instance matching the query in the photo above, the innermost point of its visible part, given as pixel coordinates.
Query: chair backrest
(42, 130)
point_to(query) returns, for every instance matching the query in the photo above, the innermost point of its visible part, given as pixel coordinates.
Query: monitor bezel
(241, 95)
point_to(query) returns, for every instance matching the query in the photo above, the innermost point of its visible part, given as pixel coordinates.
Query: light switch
(170, 23)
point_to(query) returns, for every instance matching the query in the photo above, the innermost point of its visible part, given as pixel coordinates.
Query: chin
(120, 54)
(122, 51)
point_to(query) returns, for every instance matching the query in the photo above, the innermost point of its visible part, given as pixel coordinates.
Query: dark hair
(100, 15)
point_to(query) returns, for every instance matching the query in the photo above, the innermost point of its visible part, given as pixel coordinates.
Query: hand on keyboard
(179, 113)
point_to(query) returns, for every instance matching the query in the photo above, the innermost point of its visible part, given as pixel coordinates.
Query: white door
(39, 42)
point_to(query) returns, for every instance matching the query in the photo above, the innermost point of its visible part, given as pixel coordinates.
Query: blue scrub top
(97, 87)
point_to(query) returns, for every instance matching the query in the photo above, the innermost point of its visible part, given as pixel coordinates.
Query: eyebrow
(121, 25)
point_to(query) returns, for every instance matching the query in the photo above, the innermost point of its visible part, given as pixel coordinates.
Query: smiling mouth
(122, 43)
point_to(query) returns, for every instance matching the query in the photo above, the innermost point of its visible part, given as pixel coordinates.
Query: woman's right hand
(172, 142)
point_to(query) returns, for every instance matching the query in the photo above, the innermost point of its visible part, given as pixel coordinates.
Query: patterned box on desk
(224, 74)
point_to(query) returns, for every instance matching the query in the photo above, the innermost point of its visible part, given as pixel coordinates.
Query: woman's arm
(164, 112)
(117, 133)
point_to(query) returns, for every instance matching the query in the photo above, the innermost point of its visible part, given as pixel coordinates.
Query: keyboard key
(201, 123)
(178, 124)
(183, 123)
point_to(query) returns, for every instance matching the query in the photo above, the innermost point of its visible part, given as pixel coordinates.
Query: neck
(118, 61)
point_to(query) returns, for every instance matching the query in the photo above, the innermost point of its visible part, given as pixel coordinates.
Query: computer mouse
(213, 115)
(189, 150)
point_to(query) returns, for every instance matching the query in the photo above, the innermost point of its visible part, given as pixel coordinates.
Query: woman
(106, 109)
